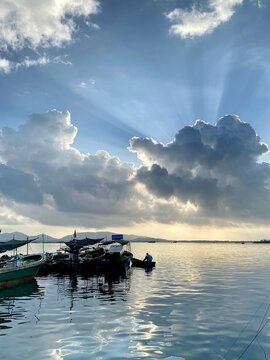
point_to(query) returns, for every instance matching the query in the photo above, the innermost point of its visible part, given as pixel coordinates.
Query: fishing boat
(77, 256)
(91, 259)
(143, 264)
(19, 268)
(116, 258)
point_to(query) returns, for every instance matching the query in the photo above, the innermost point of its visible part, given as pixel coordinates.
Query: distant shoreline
(170, 242)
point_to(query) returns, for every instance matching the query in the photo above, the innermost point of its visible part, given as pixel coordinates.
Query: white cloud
(71, 184)
(215, 168)
(259, 3)
(208, 174)
(41, 23)
(198, 22)
(82, 84)
(7, 66)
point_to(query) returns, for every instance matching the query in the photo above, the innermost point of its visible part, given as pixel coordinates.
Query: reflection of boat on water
(143, 264)
(10, 309)
(19, 268)
(21, 290)
(105, 287)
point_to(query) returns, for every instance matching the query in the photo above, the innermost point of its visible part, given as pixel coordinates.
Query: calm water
(203, 301)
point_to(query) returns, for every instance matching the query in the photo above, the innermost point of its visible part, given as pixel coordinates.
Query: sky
(142, 117)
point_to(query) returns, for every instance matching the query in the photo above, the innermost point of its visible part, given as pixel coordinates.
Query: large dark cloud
(207, 174)
(42, 165)
(19, 186)
(213, 167)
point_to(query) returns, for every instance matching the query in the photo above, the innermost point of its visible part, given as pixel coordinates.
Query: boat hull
(143, 264)
(20, 274)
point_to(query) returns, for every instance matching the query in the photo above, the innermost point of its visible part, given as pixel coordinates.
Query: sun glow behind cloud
(207, 177)
(130, 78)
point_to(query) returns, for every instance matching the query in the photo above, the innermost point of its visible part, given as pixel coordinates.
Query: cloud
(197, 22)
(71, 184)
(7, 66)
(18, 185)
(259, 3)
(214, 168)
(41, 23)
(208, 174)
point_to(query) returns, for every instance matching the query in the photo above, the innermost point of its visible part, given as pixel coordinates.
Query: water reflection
(193, 305)
(103, 287)
(11, 304)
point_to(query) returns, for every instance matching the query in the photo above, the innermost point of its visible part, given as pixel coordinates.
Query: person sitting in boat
(148, 257)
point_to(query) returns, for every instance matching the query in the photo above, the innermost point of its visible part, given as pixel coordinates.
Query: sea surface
(202, 301)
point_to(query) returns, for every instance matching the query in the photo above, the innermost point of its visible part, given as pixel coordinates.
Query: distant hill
(103, 234)
(80, 235)
(15, 235)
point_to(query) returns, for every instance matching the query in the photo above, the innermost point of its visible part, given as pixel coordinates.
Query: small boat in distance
(264, 241)
(143, 264)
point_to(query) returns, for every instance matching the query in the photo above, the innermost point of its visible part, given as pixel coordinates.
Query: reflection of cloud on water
(80, 346)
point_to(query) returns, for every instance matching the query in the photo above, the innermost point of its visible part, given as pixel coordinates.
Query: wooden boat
(116, 258)
(90, 261)
(59, 262)
(77, 257)
(19, 269)
(142, 264)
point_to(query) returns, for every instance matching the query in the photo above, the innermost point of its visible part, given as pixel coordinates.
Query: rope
(254, 338)
(245, 327)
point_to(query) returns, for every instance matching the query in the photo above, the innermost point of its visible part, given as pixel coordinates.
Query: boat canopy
(13, 244)
(116, 249)
(76, 244)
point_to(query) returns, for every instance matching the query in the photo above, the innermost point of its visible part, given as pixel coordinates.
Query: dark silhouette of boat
(80, 257)
(143, 264)
(264, 241)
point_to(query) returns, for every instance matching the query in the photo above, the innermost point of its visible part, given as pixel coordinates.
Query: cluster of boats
(90, 256)
(83, 256)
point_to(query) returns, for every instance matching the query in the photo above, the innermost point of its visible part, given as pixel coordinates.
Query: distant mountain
(102, 234)
(96, 235)
(14, 235)
(149, 239)
(47, 238)
(80, 235)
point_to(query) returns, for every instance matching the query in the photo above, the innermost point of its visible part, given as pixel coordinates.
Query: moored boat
(78, 256)
(116, 258)
(143, 264)
(19, 269)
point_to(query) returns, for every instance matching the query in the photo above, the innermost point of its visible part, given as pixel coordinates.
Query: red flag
(74, 235)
